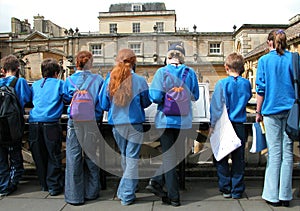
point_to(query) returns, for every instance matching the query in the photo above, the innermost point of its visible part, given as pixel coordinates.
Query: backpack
(293, 120)
(82, 106)
(11, 115)
(176, 100)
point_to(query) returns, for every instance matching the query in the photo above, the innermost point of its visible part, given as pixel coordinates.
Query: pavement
(200, 193)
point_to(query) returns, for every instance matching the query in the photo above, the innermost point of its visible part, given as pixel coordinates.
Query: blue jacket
(274, 81)
(161, 84)
(234, 92)
(47, 99)
(82, 80)
(22, 89)
(133, 113)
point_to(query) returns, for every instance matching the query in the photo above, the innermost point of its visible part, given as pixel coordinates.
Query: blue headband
(280, 31)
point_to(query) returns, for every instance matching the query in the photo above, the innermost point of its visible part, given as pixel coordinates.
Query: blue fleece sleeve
(145, 99)
(216, 104)
(104, 97)
(260, 78)
(23, 91)
(195, 87)
(156, 91)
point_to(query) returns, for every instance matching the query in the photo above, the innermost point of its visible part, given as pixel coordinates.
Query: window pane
(96, 50)
(113, 28)
(160, 26)
(214, 48)
(136, 28)
(136, 47)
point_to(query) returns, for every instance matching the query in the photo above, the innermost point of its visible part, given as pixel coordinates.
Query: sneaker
(285, 203)
(55, 192)
(227, 195)
(274, 204)
(127, 203)
(156, 189)
(4, 193)
(8, 190)
(173, 202)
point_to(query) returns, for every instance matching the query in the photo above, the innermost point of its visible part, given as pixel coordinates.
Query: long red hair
(120, 85)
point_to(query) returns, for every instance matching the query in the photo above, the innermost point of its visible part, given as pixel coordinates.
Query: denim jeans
(172, 144)
(231, 181)
(129, 139)
(279, 170)
(11, 165)
(45, 142)
(82, 178)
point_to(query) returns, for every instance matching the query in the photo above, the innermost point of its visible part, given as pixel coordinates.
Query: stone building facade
(147, 28)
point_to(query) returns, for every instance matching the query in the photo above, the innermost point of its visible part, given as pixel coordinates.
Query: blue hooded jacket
(161, 83)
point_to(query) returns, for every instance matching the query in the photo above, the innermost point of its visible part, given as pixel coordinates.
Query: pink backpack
(82, 106)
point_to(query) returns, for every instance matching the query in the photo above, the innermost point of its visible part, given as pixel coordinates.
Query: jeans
(172, 144)
(11, 166)
(129, 139)
(82, 178)
(278, 175)
(45, 142)
(232, 181)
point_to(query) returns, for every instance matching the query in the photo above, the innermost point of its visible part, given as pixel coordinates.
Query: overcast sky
(209, 15)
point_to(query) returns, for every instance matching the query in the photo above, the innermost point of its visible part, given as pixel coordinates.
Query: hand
(211, 130)
(258, 117)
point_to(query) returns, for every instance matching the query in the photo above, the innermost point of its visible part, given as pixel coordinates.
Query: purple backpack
(177, 99)
(82, 106)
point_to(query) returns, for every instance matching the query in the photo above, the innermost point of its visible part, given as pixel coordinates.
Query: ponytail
(280, 42)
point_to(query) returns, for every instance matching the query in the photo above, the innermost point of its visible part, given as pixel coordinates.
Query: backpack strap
(295, 57)
(71, 81)
(93, 79)
(185, 73)
(13, 82)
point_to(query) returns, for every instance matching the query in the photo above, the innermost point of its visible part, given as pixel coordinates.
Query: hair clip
(280, 31)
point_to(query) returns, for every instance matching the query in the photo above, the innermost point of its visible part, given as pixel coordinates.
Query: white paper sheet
(223, 139)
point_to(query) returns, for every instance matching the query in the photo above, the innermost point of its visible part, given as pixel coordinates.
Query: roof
(127, 7)
(292, 32)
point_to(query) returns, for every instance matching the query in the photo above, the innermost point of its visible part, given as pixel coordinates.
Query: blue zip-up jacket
(274, 81)
(22, 89)
(133, 113)
(47, 100)
(234, 92)
(82, 80)
(161, 83)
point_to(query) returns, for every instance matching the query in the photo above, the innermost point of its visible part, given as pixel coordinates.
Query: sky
(208, 16)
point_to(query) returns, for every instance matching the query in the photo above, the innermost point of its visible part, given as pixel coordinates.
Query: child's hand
(258, 117)
(211, 130)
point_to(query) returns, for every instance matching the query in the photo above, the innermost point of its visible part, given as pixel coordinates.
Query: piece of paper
(259, 139)
(223, 139)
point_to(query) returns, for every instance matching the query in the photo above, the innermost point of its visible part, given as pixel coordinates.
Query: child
(235, 92)
(11, 159)
(45, 140)
(173, 127)
(82, 179)
(125, 95)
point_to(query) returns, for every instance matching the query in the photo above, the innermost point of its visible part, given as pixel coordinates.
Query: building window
(136, 7)
(113, 28)
(136, 47)
(160, 26)
(215, 48)
(96, 49)
(136, 27)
